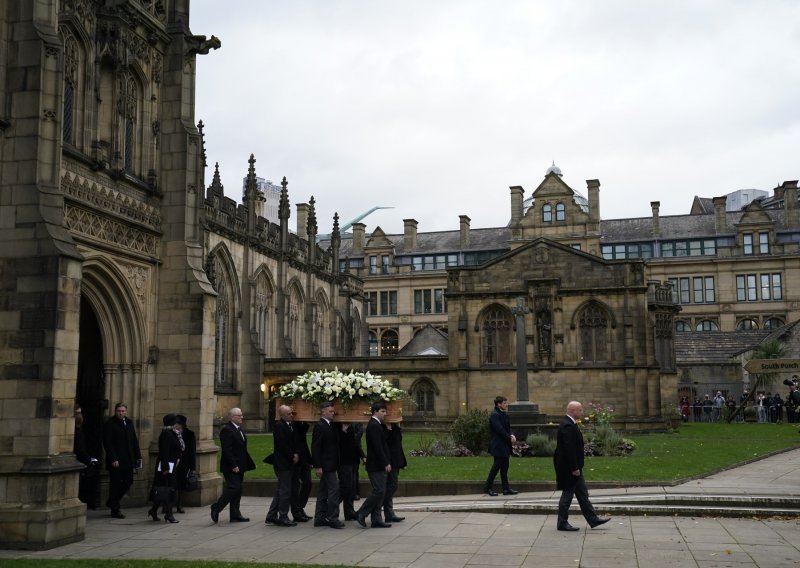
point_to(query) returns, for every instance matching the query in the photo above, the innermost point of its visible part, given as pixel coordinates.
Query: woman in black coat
(170, 448)
(188, 459)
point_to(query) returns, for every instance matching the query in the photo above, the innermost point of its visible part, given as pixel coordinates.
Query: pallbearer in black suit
(122, 456)
(568, 461)
(351, 455)
(301, 473)
(394, 438)
(235, 461)
(379, 466)
(285, 457)
(325, 455)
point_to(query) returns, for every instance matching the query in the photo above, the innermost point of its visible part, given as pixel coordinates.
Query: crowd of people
(335, 457)
(768, 407)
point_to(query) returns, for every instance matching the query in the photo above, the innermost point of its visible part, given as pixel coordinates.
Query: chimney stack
(516, 204)
(593, 185)
(302, 219)
(464, 230)
(358, 239)
(790, 203)
(409, 234)
(720, 215)
(655, 206)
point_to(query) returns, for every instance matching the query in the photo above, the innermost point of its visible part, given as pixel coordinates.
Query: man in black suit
(325, 455)
(122, 456)
(500, 442)
(235, 461)
(301, 473)
(568, 461)
(379, 466)
(285, 457)
(397, 457)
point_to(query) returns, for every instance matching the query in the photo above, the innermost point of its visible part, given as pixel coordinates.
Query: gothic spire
(311, 225)
(283, 205)
(200, 126)
(336, 237)
(250, 187)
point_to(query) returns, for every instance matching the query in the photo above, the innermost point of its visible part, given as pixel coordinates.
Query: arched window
(423, 393)
(71, 78)
(373, 344)
(593, 326)
(496, 336)
(706, 325)
(773, 323)
(130, 108)
(321, 320)
(547, 213)
(682, 326)
(561, 213)
(296, 322)
(746, 324)
(224, 322)
(264, 310)
(389, 343)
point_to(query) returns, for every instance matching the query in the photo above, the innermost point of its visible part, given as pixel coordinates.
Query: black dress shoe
(336, 524)
(599, 521)
(117, 514)
(302, 518)
(395, 519)
(381, 525)
(361, 520)
(490, 492)
(214, 513)
(322, 523)
(567, 527)
(284, 523)
(271, 520)
(240, 519)
(510, 491)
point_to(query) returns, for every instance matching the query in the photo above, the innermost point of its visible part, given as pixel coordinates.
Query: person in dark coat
(379, 466)
(87, 483)
(500, 442)
(170, 448)
(188, 459)
(568, 462)
(397, 457)
(285, 457)
(122, 456)
(235, 461)
(301, 474)
(325, 455)
(351, 455)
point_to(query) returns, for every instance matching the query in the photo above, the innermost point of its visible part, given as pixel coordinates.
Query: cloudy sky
(436, 107)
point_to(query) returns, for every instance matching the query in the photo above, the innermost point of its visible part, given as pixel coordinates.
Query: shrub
(472, 430)
(522, 450)
(541, 445)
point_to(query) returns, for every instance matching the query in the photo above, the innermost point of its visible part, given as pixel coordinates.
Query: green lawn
(694, 449)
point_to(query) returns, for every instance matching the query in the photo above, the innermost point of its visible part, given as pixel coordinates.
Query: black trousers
(580, 491)
(327, 508)
(279, 508)
(301, 489)
(231, 493)
(119, 481)
(392, 481)
(374, 502)
(500, 464)
(347, 490)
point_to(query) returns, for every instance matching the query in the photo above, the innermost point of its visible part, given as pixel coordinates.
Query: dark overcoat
(378, 456)
(499, 434)
(234, 449)
(569, 453)
(325, 446)
(285, 446)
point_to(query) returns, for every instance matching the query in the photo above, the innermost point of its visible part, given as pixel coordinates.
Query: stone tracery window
(593, 326)
(321, 327)
(423, 393)
(496, 336)
(223, 323)
(71, 77)
(264, 309)
(296, 322)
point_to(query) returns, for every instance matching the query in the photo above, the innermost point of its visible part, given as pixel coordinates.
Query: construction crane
(346, 226)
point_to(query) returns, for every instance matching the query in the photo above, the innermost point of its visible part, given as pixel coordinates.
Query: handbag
(192, 481)
(162, 494)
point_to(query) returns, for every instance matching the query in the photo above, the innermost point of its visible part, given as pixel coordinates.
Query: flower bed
(352, 394)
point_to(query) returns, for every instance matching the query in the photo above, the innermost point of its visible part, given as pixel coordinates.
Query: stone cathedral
(124, 277)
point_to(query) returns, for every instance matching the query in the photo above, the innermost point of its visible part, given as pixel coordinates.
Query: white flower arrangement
(320, 386)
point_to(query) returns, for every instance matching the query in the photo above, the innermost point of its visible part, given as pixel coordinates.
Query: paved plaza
(452, 532)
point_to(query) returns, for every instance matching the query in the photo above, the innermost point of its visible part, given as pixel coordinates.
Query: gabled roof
(428, 341)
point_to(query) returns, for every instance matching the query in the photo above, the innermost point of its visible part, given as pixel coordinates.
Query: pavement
(743, 517)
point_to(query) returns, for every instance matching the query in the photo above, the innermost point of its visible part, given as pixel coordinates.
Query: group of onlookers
(769, 407)
(174, 466)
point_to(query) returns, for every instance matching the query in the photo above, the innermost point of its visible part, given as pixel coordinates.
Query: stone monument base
(525, 418)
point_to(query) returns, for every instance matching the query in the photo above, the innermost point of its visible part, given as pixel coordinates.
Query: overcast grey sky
(436, 107)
